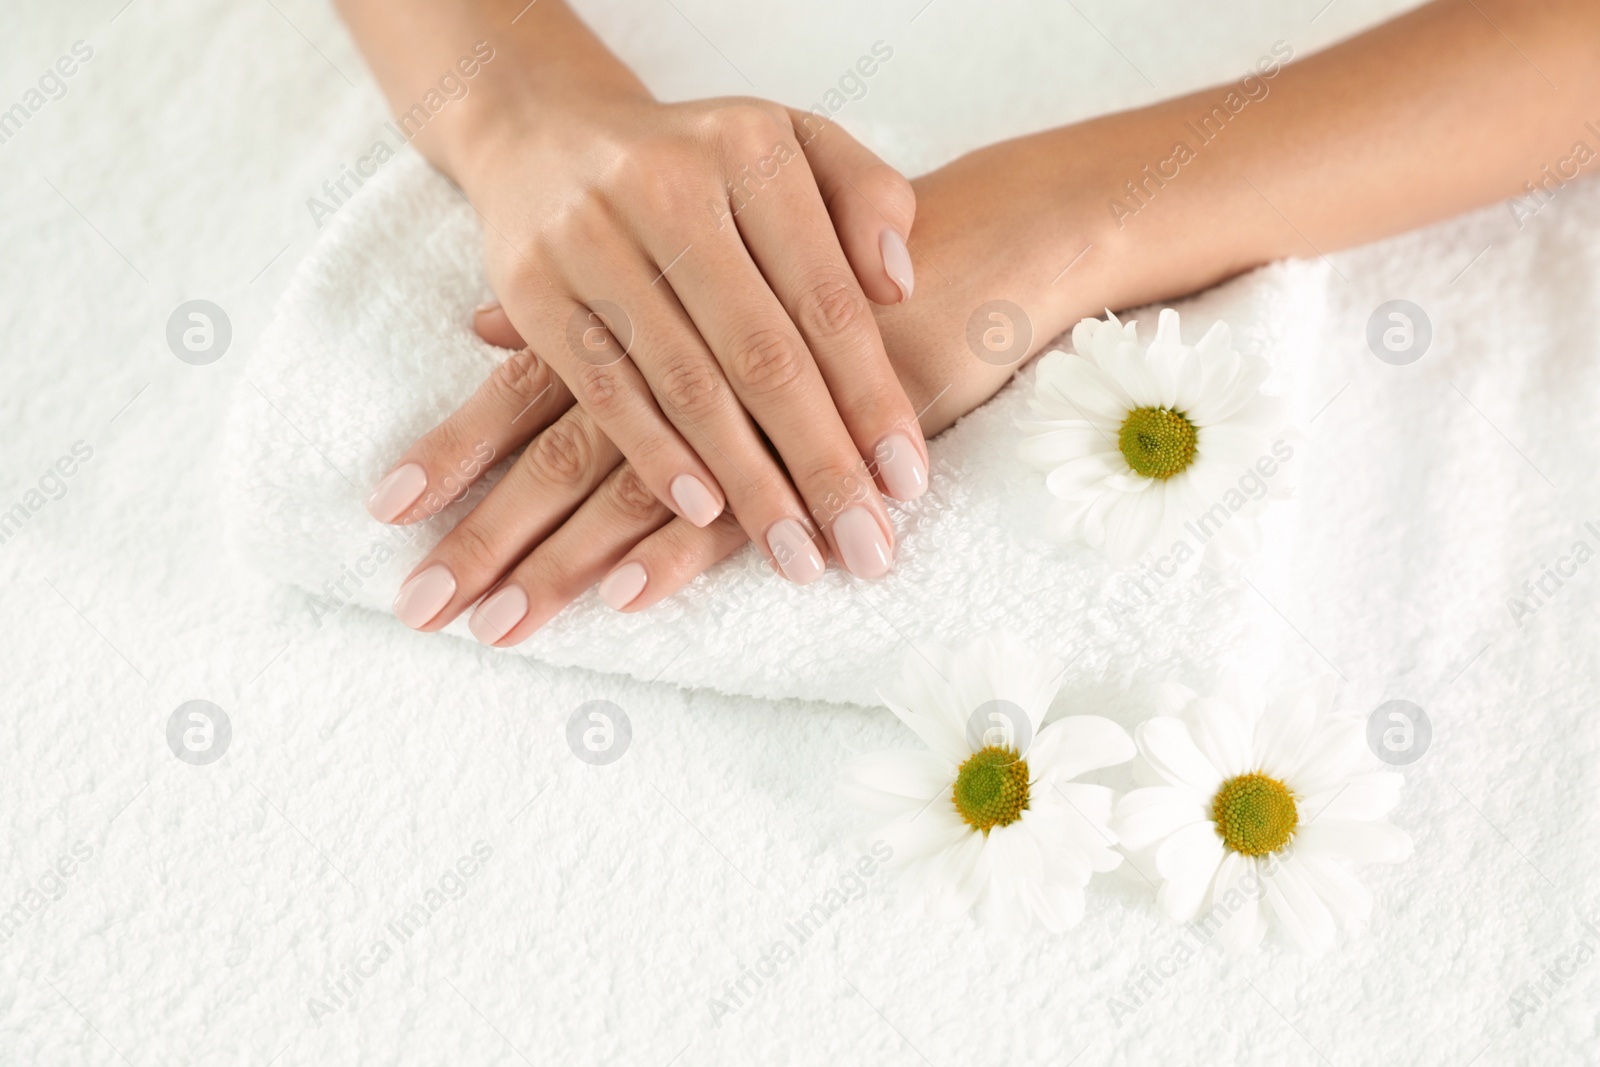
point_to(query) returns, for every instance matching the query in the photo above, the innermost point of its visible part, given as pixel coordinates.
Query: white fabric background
(365, 760)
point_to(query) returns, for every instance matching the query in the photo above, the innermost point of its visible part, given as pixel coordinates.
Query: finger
(790, 237)
(668, 560)
(519, 398)
(872, 206)
(619, 514)
(559, 471)
(493, 325)
(699, 401)
(587, 346)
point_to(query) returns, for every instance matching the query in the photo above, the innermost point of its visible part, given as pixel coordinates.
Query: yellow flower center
(1255, 815)
(992, 788)
(1157, 442)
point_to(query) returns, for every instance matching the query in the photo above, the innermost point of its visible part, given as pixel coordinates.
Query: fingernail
(897, 261)
(424, 596)
(694, 500)
(398, 491)
(490, 306)
(498, 615)
(900, 464)
(622, 586)
(795, 552)
(861, 543)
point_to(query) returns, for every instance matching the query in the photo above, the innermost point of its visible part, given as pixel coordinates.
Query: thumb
(871, 204)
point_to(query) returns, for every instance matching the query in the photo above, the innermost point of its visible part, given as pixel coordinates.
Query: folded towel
(372, 345)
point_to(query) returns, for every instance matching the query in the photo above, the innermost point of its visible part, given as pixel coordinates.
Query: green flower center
(1157, 442)
(992, 788)
(1254, 814)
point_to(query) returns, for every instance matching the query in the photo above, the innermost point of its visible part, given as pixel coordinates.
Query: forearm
(543, 59)
(1420, 119)
(1430, 115)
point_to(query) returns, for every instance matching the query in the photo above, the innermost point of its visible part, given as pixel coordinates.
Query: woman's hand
(570, 513)
(696, 274)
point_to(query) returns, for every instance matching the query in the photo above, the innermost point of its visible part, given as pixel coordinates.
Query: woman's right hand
(594, 520)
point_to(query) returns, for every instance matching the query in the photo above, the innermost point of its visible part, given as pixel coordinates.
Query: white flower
(1148, 450)
(989, 817)
(1263, 813)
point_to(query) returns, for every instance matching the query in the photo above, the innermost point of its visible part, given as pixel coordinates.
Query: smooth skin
(1457, 104)
(694, 274)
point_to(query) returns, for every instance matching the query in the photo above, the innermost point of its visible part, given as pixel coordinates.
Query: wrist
(532, 85)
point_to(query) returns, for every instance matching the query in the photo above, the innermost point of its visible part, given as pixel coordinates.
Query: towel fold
(372, 345)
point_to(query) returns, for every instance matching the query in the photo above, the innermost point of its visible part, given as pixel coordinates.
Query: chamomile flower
(1263, 813)
(1144, 448)
(989, 816)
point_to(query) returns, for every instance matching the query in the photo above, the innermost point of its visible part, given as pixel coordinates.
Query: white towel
(372, 345)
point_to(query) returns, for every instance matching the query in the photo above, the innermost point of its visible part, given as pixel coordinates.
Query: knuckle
(889, 190)
(563, 453)
(691, 386)
(747, 128)
(832, 305)
(767, 361)
(520, 379)
(473, 549)
(601, 390)
(633, 498)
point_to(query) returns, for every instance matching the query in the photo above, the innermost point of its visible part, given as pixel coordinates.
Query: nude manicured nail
(795, 552)
(861, 543)
(424, 596)
(694, 500)
(622, 586)
(900, 464)
(897, 262)
(398, 491)
(499, 614)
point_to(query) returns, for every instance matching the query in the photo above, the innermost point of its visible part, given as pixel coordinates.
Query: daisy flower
(1263, 811)
(1155, 448)
(989, 817)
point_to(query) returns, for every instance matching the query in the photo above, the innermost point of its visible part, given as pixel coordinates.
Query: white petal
(1220, 734)
(1328, 760)
(924, 833)
(1145, 816)
(1132, 523)
(955, 876)
(1188, 861)
(1299, 911)
(1078, 743)
(936, 729)
(1166, 744)
(1283, 731)
(1086, 474)
(1364, 798)
(1358, 842)
(1337, 885)
(1080, 386)
(1051, 445)
(1244, 926)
